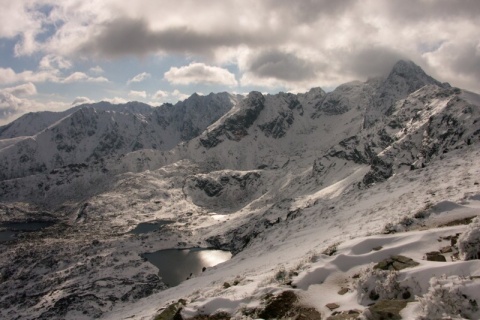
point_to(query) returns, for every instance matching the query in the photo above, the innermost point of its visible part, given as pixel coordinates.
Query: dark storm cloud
(306, 11)
(371, 61)
(281, 65)
(134, 37)
(418, 11)
(466, 60)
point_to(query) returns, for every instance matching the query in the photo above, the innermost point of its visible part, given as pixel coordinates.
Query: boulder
(435, 256)
(396, 262)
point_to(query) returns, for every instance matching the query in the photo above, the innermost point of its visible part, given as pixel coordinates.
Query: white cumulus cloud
(8, 76)
(54, 62)
(26, 89)
(159, 95)
(97, 70)
(82, 77)
(81, 100)
(140, 77)
(200, 73)
(137, 94)
(115, 100)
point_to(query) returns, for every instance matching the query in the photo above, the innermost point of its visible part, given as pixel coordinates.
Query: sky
(57, 54)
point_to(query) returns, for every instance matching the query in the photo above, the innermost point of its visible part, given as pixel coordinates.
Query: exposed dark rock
(380, 170)
(172, 311)
(235, 127)
(343, 291)
(217, 316)
(277, 128)
(458, 222)
(386, 310)
(406, 295)
(330, 250)
(279, 306)
(344, 98)
(332, 306)
(396, 262)
(446, 249)
(373, 295)
(285, 306)
(89, 304)
(435, 256)
(211, 187)
(345, 315)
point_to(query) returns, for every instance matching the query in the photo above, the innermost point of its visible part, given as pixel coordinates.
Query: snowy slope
(34, 122)
(276, 179)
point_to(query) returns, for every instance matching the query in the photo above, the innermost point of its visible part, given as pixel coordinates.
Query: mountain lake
(146, 227)
(8, 230)
(176, 265)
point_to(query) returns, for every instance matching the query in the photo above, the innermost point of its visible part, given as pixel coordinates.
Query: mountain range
(268, 177)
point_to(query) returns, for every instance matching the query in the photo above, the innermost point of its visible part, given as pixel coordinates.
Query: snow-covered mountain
(275, 179)
(96, 132)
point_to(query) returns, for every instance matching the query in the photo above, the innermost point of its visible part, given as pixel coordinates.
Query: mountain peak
(405, 78)
(408, 69)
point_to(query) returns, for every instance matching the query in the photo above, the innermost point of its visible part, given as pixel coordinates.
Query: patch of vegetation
(377, 284)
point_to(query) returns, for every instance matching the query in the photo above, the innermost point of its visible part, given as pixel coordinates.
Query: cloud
(96, 70)
(53, 62)
(137, 94)
(12, 107)
(335, 38)
(115, 100)
(9, 106)
(308, 11)
(282, 66)
(26, 89)
(200, 73)
(140, 77)
(82, 77)
(371, 61)
(412, 10)
(159, 95)
(8, 76)
(164, 96)
(143, 40)
(11, 103)
(176, 94)
(81, 100)
(464, 59)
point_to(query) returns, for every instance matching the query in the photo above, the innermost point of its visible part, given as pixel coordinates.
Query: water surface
(11, 229)
(146, 227)
(6, 235)
(176, 265)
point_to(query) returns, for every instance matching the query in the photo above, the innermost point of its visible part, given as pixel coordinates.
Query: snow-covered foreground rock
(309, 192)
